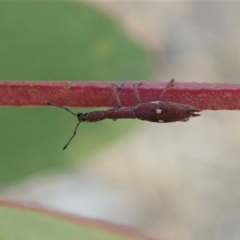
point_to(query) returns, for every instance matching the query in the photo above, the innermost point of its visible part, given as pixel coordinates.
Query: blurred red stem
(125, 232)
(211, 96)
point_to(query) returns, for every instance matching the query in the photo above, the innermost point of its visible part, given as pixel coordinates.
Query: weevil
(154, 111)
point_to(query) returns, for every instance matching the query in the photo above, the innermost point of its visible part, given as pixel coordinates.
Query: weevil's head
(82, 117)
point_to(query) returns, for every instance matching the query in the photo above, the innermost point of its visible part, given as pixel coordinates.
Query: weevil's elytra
(154, 111)
(170, 112)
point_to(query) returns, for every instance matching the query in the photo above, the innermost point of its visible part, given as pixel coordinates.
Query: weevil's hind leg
(115, 89)
(170, 84)
(54, 105)
(136, 92)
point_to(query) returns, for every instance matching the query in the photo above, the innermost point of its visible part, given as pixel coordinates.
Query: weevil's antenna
(74, 133)
(54, 105)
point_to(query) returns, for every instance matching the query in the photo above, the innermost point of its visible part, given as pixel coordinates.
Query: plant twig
(205, 96)
(124, 232)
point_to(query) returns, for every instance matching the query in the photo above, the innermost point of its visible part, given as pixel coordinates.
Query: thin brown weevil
(155, 111)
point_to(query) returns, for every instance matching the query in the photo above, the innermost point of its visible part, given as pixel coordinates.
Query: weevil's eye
(82, 116)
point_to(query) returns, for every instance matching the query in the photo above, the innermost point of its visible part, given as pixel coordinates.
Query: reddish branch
(124, 232)
(214, 96)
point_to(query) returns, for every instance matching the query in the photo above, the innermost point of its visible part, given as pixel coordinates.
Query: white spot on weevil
(158, 111)
(161, 121)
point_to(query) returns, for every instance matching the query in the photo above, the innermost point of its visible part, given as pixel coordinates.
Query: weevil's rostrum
(154, 111)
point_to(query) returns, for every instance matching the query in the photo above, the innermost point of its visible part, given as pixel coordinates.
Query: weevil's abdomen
(163, 112)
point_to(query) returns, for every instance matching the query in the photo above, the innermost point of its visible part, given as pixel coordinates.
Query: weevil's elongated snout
(93, 116)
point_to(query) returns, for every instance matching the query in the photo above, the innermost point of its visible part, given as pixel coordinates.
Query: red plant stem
(211, 96)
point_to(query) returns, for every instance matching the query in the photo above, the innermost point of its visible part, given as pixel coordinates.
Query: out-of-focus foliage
(21, 224)
(58, 41)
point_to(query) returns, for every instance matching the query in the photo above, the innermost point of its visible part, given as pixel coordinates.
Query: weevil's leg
(170, 84)
(54, 105)
(136, 93)
(115, 89)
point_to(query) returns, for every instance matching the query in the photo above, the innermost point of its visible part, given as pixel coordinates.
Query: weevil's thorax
(163, 112)
(112, 113)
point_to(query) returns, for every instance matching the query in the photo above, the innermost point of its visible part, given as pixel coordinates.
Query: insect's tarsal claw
(172, 82)
(196, 114)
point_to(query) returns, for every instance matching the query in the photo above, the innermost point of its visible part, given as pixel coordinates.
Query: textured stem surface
(211, 96)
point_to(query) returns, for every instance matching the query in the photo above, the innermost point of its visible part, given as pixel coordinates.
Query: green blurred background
(59, 41)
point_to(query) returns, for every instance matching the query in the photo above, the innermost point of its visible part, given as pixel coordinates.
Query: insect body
(155, 111)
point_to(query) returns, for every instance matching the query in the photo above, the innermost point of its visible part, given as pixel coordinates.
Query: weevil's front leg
(136, 93)
(115, 89)
(170, 84)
